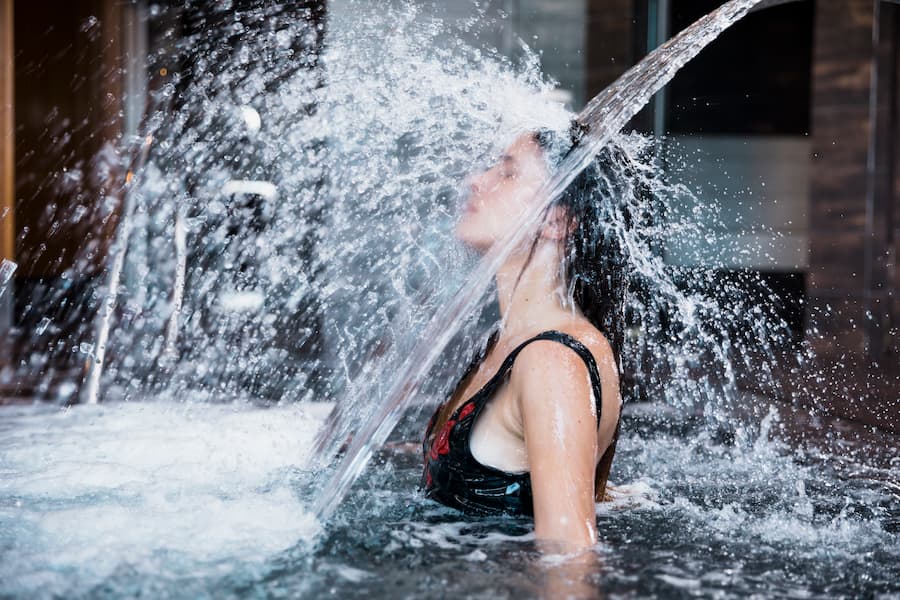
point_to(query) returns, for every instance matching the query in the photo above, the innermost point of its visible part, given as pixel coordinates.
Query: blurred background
(790, 121)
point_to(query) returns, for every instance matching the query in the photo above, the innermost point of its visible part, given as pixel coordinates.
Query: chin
(468, 234)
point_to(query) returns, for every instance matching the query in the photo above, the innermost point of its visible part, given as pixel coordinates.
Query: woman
(531, 427)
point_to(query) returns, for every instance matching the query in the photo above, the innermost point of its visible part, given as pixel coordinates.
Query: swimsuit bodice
(454, 477)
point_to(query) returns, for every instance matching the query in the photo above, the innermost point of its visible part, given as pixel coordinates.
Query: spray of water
(293, 215)
(604, 116)
(289, 239)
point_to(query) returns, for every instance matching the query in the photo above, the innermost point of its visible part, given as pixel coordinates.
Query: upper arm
(553, 388)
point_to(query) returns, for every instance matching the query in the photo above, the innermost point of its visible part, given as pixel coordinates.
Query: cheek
(511, 205)
(494, 213)
(498, 214)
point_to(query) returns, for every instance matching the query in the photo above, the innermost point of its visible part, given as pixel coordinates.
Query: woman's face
(498, 195)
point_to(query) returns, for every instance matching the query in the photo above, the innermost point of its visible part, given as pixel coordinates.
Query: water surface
(211, 501)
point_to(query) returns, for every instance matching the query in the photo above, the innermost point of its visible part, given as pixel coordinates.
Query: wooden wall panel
(7, 160)
(609, 43)
(7, 171)
(852, 283)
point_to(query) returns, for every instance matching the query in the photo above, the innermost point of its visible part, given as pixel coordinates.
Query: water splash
(293, 215)
(291, 239)
(7, 268)
(605, 116)
(165, 487)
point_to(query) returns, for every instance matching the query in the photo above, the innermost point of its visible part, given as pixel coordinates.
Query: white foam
(352, 574)
(680, 582)
(636, 495)
(449, 536)
(161, 488)
(790, 518)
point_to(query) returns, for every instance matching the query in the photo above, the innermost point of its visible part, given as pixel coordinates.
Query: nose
(475, 185)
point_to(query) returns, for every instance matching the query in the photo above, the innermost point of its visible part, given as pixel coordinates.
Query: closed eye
(508, 166)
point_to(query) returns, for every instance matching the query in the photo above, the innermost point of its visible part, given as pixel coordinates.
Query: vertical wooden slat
(609, 42)
(7, 173)
(849, 288)
(7, 163)
(843, 69)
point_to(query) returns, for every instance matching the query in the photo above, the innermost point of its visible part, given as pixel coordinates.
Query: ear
(556, 224)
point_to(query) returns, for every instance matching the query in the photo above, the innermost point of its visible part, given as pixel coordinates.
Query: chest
(483, 383)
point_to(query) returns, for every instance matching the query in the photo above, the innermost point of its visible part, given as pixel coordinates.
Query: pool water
(726, 514)
(169, 500)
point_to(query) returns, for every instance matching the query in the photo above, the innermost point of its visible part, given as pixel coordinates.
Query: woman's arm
(560, 428)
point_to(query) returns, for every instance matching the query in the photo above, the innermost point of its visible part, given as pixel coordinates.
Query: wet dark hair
(595, 256)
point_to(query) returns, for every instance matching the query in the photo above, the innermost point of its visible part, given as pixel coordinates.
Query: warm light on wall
(7, 147)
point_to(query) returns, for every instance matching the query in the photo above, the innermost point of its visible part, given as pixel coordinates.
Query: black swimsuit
(454, 477)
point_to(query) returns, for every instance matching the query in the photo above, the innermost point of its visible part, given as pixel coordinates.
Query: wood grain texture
(609, 42)
(852, 304)
(7, 145)
(843, 68)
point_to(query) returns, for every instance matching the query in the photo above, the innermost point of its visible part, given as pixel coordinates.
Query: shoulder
(597, 343)
(554, 367)
(549, 370)
(549, 355)
(602, 351)
(552, 384)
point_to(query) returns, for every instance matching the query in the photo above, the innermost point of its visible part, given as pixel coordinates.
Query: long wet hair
(598, 205)
(595, 255)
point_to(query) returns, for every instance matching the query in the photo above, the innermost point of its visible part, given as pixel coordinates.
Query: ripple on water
(208, 501)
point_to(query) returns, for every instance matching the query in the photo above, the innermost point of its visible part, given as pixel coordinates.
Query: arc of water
(604, 116)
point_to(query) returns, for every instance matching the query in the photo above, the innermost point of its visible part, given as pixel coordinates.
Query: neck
(531, 292)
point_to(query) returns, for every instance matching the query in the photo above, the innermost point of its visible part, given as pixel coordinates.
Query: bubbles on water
(160, 490)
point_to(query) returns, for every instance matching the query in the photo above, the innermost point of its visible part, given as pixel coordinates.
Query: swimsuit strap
(566, 340)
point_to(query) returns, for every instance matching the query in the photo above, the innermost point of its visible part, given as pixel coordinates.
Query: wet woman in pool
(531, 427)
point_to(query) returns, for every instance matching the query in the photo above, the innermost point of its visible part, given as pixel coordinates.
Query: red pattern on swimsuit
(441, 444)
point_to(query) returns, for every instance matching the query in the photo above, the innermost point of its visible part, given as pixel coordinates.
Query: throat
(531, 292)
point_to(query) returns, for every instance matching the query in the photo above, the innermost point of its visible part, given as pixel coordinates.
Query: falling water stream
(285, 298)
(604, 116)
